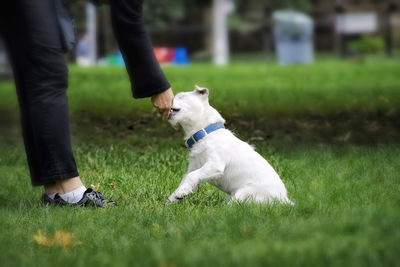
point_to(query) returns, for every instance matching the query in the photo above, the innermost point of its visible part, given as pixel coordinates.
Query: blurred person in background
(83, 51)
(36, 41)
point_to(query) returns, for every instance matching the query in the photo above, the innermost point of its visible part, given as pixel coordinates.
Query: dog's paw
(182, 191)
(172, 198)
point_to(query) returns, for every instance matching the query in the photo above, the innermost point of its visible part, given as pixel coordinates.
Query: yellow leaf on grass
(95, 187)
(60, 238)
(41, 239)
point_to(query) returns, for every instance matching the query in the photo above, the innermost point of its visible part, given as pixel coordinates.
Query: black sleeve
(146, 76)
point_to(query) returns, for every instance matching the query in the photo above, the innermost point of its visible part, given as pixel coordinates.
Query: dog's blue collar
(202, 133)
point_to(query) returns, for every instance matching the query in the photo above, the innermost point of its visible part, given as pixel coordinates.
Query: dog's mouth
(173, 111)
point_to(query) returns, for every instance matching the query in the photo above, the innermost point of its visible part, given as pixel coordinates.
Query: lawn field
(331, 130)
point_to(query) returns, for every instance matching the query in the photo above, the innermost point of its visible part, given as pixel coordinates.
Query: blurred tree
(160, 14)
(367, 45)
(252, 14)
(167, 13)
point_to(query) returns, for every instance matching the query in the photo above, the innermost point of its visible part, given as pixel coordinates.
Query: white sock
(75, 195)
(52, 195)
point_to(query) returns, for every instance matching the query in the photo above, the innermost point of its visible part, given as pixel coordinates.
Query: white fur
(220, 158)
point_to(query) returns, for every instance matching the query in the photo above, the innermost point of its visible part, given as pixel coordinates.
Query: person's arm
(146, 76)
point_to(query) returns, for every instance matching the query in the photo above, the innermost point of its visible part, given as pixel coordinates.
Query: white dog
(220, 158)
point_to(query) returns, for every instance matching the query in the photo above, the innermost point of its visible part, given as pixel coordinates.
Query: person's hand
(163, 102)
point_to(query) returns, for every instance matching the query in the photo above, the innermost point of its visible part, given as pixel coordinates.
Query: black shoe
(57, 201)
(91, 198)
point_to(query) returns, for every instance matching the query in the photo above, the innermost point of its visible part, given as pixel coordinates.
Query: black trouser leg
(147, 78)
(33, 40)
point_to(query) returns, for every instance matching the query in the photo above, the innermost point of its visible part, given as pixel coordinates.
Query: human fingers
(166, 114)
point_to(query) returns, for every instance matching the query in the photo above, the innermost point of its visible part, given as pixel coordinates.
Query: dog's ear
(201, 90)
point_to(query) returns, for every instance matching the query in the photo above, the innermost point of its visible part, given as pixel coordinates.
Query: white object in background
(221, 10)
(91, 29)
(356, 23)
(293, 34)
(83, 61)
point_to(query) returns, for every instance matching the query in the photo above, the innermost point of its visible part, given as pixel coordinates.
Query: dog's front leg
(191, 180)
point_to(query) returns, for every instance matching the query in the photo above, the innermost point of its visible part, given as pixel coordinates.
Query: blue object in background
(181, 57)
(120, 59)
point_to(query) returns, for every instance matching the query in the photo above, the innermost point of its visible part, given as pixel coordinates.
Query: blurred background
(286, 31)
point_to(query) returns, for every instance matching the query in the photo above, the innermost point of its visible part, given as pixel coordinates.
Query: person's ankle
(68, 185)
(63, 186)
(50, 189)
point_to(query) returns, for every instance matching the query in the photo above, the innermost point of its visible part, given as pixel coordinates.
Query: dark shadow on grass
(335, 128)
(355, 127)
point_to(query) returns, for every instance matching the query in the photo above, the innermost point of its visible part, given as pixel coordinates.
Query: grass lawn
(331, 130)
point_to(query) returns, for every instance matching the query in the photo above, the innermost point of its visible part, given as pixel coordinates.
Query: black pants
(32, 37)
(34, 46)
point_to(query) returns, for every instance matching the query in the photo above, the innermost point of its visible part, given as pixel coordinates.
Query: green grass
(331, 130)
